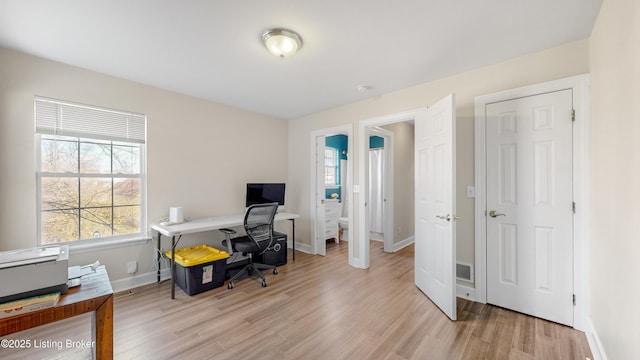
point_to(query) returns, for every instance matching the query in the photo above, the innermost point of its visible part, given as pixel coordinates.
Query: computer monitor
(262, 193)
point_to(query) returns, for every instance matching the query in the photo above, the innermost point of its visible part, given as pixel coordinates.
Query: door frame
(387, 184)
(580, 85)
(343, 129)
(320, 198)
(363, 258)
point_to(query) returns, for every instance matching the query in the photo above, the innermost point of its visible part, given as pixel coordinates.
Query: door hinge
(573, 114)
(574, 299)
(573, 207)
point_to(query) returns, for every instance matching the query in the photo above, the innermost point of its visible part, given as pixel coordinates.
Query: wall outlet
(132, 267)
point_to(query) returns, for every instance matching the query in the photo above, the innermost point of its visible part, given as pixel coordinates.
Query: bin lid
(197, 255)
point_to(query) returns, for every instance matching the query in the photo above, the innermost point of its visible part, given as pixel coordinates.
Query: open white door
(321, 244)
(435, 240)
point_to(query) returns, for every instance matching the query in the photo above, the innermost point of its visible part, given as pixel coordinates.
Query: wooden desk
(93, 295)
(208, 224)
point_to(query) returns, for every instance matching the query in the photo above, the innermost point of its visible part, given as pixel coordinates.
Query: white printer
(33, 272)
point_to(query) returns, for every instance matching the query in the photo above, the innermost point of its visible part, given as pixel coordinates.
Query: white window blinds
(56, 117)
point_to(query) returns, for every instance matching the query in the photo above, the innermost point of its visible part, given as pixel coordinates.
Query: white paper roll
(176, 215)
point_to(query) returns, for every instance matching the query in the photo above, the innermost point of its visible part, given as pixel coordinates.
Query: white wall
(200, 154)
(615, 178)
(567, 60)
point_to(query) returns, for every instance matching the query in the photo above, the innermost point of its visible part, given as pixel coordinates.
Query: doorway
(397, 132)
(327, 185)
(541, 270)
(380, 177)
(434, 210)
(529, 199)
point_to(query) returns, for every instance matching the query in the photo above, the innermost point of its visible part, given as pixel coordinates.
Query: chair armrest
(228, 233)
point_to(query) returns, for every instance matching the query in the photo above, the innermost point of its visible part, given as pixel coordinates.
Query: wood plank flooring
(315, 308)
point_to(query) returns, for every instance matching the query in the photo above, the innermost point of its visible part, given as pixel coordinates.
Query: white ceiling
(211, 49)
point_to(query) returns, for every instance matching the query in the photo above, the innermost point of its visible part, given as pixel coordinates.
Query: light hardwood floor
(315, 308)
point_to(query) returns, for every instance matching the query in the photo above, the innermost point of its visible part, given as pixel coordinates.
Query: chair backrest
(258, 224)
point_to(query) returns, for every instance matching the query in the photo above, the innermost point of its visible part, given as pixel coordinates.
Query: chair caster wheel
(275, 271)
(264, 283)
(230, 286)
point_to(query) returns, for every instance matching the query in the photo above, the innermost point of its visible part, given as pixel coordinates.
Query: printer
(33, 272)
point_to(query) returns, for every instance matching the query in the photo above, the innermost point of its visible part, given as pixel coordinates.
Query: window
(330, 166)
(90, 173)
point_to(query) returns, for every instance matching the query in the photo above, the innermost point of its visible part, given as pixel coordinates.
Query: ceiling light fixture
(281, 42)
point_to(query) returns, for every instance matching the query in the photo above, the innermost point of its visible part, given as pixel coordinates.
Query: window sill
(107, 244)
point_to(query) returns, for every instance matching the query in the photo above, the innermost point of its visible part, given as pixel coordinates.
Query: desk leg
(293, 237)
(159, 256)
(102, 330)
(173, 267)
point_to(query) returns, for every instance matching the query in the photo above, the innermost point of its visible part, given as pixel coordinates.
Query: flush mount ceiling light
(281, 42)
(363, 88)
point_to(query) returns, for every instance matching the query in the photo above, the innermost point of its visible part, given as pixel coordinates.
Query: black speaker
(277, 254)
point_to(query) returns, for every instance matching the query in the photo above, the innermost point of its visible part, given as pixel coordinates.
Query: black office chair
(258, 224)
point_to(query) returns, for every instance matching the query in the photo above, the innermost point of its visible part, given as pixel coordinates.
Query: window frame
(333, 167)
(103, 241)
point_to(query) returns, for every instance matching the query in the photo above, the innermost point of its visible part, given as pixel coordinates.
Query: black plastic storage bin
(199, 268)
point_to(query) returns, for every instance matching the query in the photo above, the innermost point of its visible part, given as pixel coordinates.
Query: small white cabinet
(331, 215)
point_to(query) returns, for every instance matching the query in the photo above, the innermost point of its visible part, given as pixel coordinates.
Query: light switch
(471, 191)
(356, 188)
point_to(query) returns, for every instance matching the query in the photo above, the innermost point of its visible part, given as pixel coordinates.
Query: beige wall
(615, 178)
(564, 61)
(200, 154)
(403, 175)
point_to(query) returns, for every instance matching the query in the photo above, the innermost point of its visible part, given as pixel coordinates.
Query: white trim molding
(597, 350)
(403, 244)
(305, 248)
(361, 233)
(580, 86)
(140, 280)
(465, 292)
(343, 129)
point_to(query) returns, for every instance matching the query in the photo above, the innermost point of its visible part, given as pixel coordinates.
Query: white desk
(208, 224)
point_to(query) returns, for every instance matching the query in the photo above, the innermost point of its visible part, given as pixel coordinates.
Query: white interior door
(376, 191)
(530, 205)
(321, 244)
(386, 189)
(435, 241)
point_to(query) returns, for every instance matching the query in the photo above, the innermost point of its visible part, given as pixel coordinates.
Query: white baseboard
(139, 280)
(305, 248)
(403, 244)
(594, 342)
(465, 292)
(152, 277)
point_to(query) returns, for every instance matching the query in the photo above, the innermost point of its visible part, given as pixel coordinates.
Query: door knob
(493, 213)
(444, 217)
